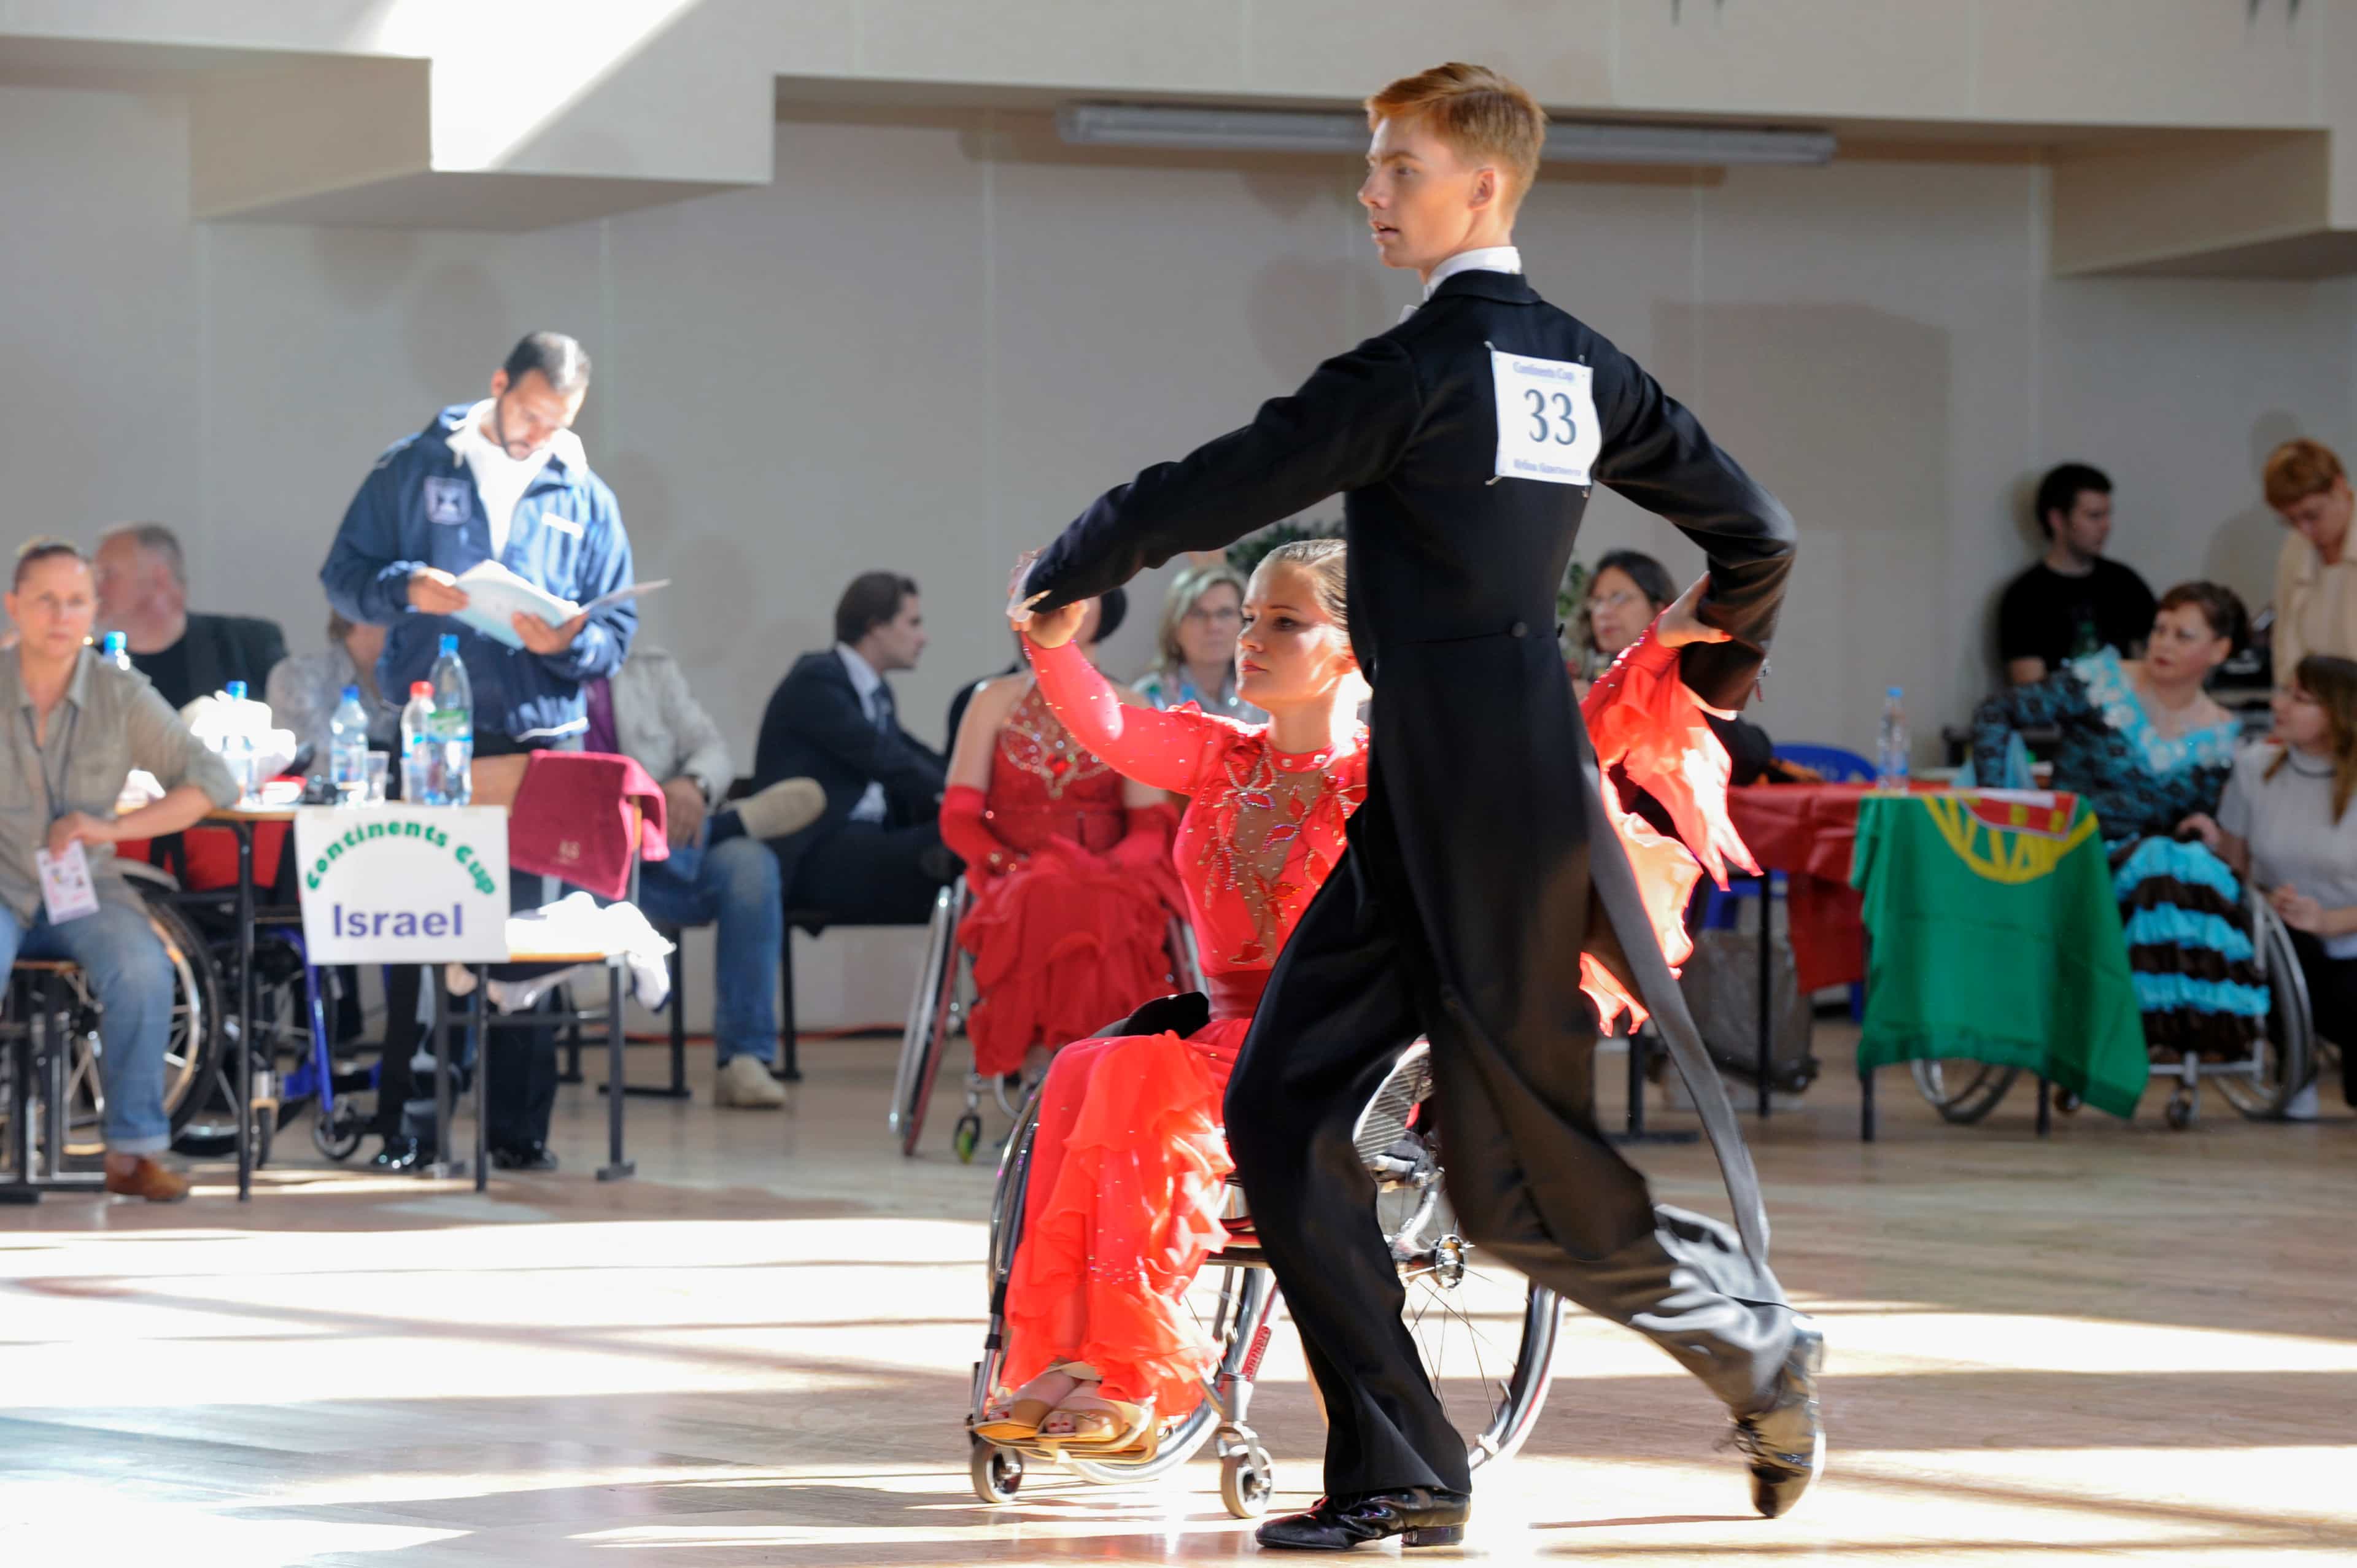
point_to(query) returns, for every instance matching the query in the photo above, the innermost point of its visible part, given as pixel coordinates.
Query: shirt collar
(12, 681)
(863, 679)
(563, 448)
(1486, 259)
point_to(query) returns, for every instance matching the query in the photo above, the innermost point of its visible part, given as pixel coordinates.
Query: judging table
(1809, 833)
(243, 819)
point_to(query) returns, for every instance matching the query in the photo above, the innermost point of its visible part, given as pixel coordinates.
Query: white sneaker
(745, 1082)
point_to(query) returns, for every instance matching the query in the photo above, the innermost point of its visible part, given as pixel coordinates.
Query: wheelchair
(1486, 1334)
(199, 1061)
(2261, 1085)
(192, 1053)
(944, 993)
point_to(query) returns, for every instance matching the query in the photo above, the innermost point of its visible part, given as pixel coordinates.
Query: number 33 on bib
(1547, 428)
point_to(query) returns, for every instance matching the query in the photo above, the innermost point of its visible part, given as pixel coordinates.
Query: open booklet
(495, 596)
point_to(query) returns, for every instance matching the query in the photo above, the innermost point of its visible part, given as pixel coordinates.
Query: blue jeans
(117, 948)
(735, 883)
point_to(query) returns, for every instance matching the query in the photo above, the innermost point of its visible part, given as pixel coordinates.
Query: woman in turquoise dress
(2148, 749)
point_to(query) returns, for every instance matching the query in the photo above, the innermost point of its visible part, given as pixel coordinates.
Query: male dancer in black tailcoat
(1464, 441)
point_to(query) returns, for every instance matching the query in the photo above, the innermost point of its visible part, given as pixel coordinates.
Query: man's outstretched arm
(1343, 430)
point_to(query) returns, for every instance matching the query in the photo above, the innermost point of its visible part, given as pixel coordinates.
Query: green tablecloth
(1994, 935)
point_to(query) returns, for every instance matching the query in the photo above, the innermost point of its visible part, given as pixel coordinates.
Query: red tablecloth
(1808, 832)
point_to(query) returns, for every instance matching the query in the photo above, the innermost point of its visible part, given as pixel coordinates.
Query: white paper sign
(1547, 428)
(404, 883)
(66, 889)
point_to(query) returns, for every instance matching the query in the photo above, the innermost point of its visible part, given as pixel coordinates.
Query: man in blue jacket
(503, 480)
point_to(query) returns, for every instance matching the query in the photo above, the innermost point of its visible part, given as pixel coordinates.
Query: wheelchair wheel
(1961, 1090)
(925, 1038)
(1486, 1334)
(2283, 1060)
(191, 1045)
(995, 1472)
(1247, 1481)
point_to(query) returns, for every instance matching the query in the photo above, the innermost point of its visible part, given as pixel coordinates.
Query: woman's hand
(2299, 911)
(79, 827)
(1053, 629)
(2201, 826)
(1682, 623)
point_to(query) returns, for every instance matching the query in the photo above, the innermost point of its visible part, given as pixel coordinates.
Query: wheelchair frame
(1401, 1160)
(938, 1009)
(2256, 1086)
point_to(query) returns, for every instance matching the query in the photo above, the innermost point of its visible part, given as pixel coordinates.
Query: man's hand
(435, 592)
(2201, 826)
(541, 638)
(1682, 623)
(79, 827)
(683, 813)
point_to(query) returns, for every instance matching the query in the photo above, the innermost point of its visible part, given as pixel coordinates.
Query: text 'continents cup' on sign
(404, 883)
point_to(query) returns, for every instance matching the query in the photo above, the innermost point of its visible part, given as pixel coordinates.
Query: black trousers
(872, 875)
(2332, 1003)
(1516, 1118)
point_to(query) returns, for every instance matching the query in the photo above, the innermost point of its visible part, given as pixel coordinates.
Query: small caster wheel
(340, 1138)
(997, 1472)
(2180, 1110)
(1247, 1481)
(967, 1137)
(2068, 1103)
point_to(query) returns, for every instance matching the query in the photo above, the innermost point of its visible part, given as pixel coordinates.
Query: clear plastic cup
(372, 790)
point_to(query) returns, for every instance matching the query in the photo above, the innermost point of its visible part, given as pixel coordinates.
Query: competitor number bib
(1547, 428)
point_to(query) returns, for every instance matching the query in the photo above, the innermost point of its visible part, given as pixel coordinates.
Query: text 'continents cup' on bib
(404, 883)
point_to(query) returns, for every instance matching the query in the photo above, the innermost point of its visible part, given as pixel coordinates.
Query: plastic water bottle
(454, 722)
(1890, 746)
(115, 649)
(347, 749)
(237, 747)
(421, 771)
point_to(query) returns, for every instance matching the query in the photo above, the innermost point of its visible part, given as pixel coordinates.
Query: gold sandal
(1118, 1424)
(1018, 1415)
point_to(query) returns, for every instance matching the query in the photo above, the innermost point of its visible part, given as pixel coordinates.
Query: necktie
(883, 710)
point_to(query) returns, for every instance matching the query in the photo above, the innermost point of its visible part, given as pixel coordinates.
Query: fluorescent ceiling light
(1286, 131)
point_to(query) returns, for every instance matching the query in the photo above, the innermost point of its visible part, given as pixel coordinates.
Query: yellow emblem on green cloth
(2010, 840)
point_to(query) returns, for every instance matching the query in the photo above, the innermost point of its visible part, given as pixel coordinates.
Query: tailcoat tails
(1479, 868)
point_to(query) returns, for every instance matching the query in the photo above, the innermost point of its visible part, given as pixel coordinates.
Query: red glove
(966, 829)
(1146, 844)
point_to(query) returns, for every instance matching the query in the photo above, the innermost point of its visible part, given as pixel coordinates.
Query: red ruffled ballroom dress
(1073, 892)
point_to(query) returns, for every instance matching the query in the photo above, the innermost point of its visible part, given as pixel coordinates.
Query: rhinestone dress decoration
(1264, 804)
(1035, 741)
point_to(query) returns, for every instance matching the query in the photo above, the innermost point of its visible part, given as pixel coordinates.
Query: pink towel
(572, 820)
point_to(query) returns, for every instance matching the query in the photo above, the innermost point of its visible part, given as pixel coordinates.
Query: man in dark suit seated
(875, 856)
(143, 593)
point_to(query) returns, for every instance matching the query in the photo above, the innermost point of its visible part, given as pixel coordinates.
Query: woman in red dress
(1128, 1164)
(1128, 1167)
(1069, 864)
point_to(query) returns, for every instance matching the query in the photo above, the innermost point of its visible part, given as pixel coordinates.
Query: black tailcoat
(1466, 896)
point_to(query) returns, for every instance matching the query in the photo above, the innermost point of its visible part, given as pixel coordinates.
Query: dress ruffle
(1128, 1176)
(1062, 944)
(1642, 718)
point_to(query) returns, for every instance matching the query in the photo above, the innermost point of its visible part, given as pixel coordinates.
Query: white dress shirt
(1488, 259)
(865, 683)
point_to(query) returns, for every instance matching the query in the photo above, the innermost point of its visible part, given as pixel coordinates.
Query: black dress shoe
(401, 1154)
(530, 1157)
(1419, 1516)
(1785, 1441)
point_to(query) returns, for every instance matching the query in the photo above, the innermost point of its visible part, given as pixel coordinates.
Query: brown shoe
(136, 1176)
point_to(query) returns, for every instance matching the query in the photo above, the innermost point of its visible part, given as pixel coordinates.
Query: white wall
(926, 346)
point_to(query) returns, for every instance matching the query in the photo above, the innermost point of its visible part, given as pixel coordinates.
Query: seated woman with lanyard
(1069, 864)
(2285, 822)
(2148, 749)
(76, 726)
